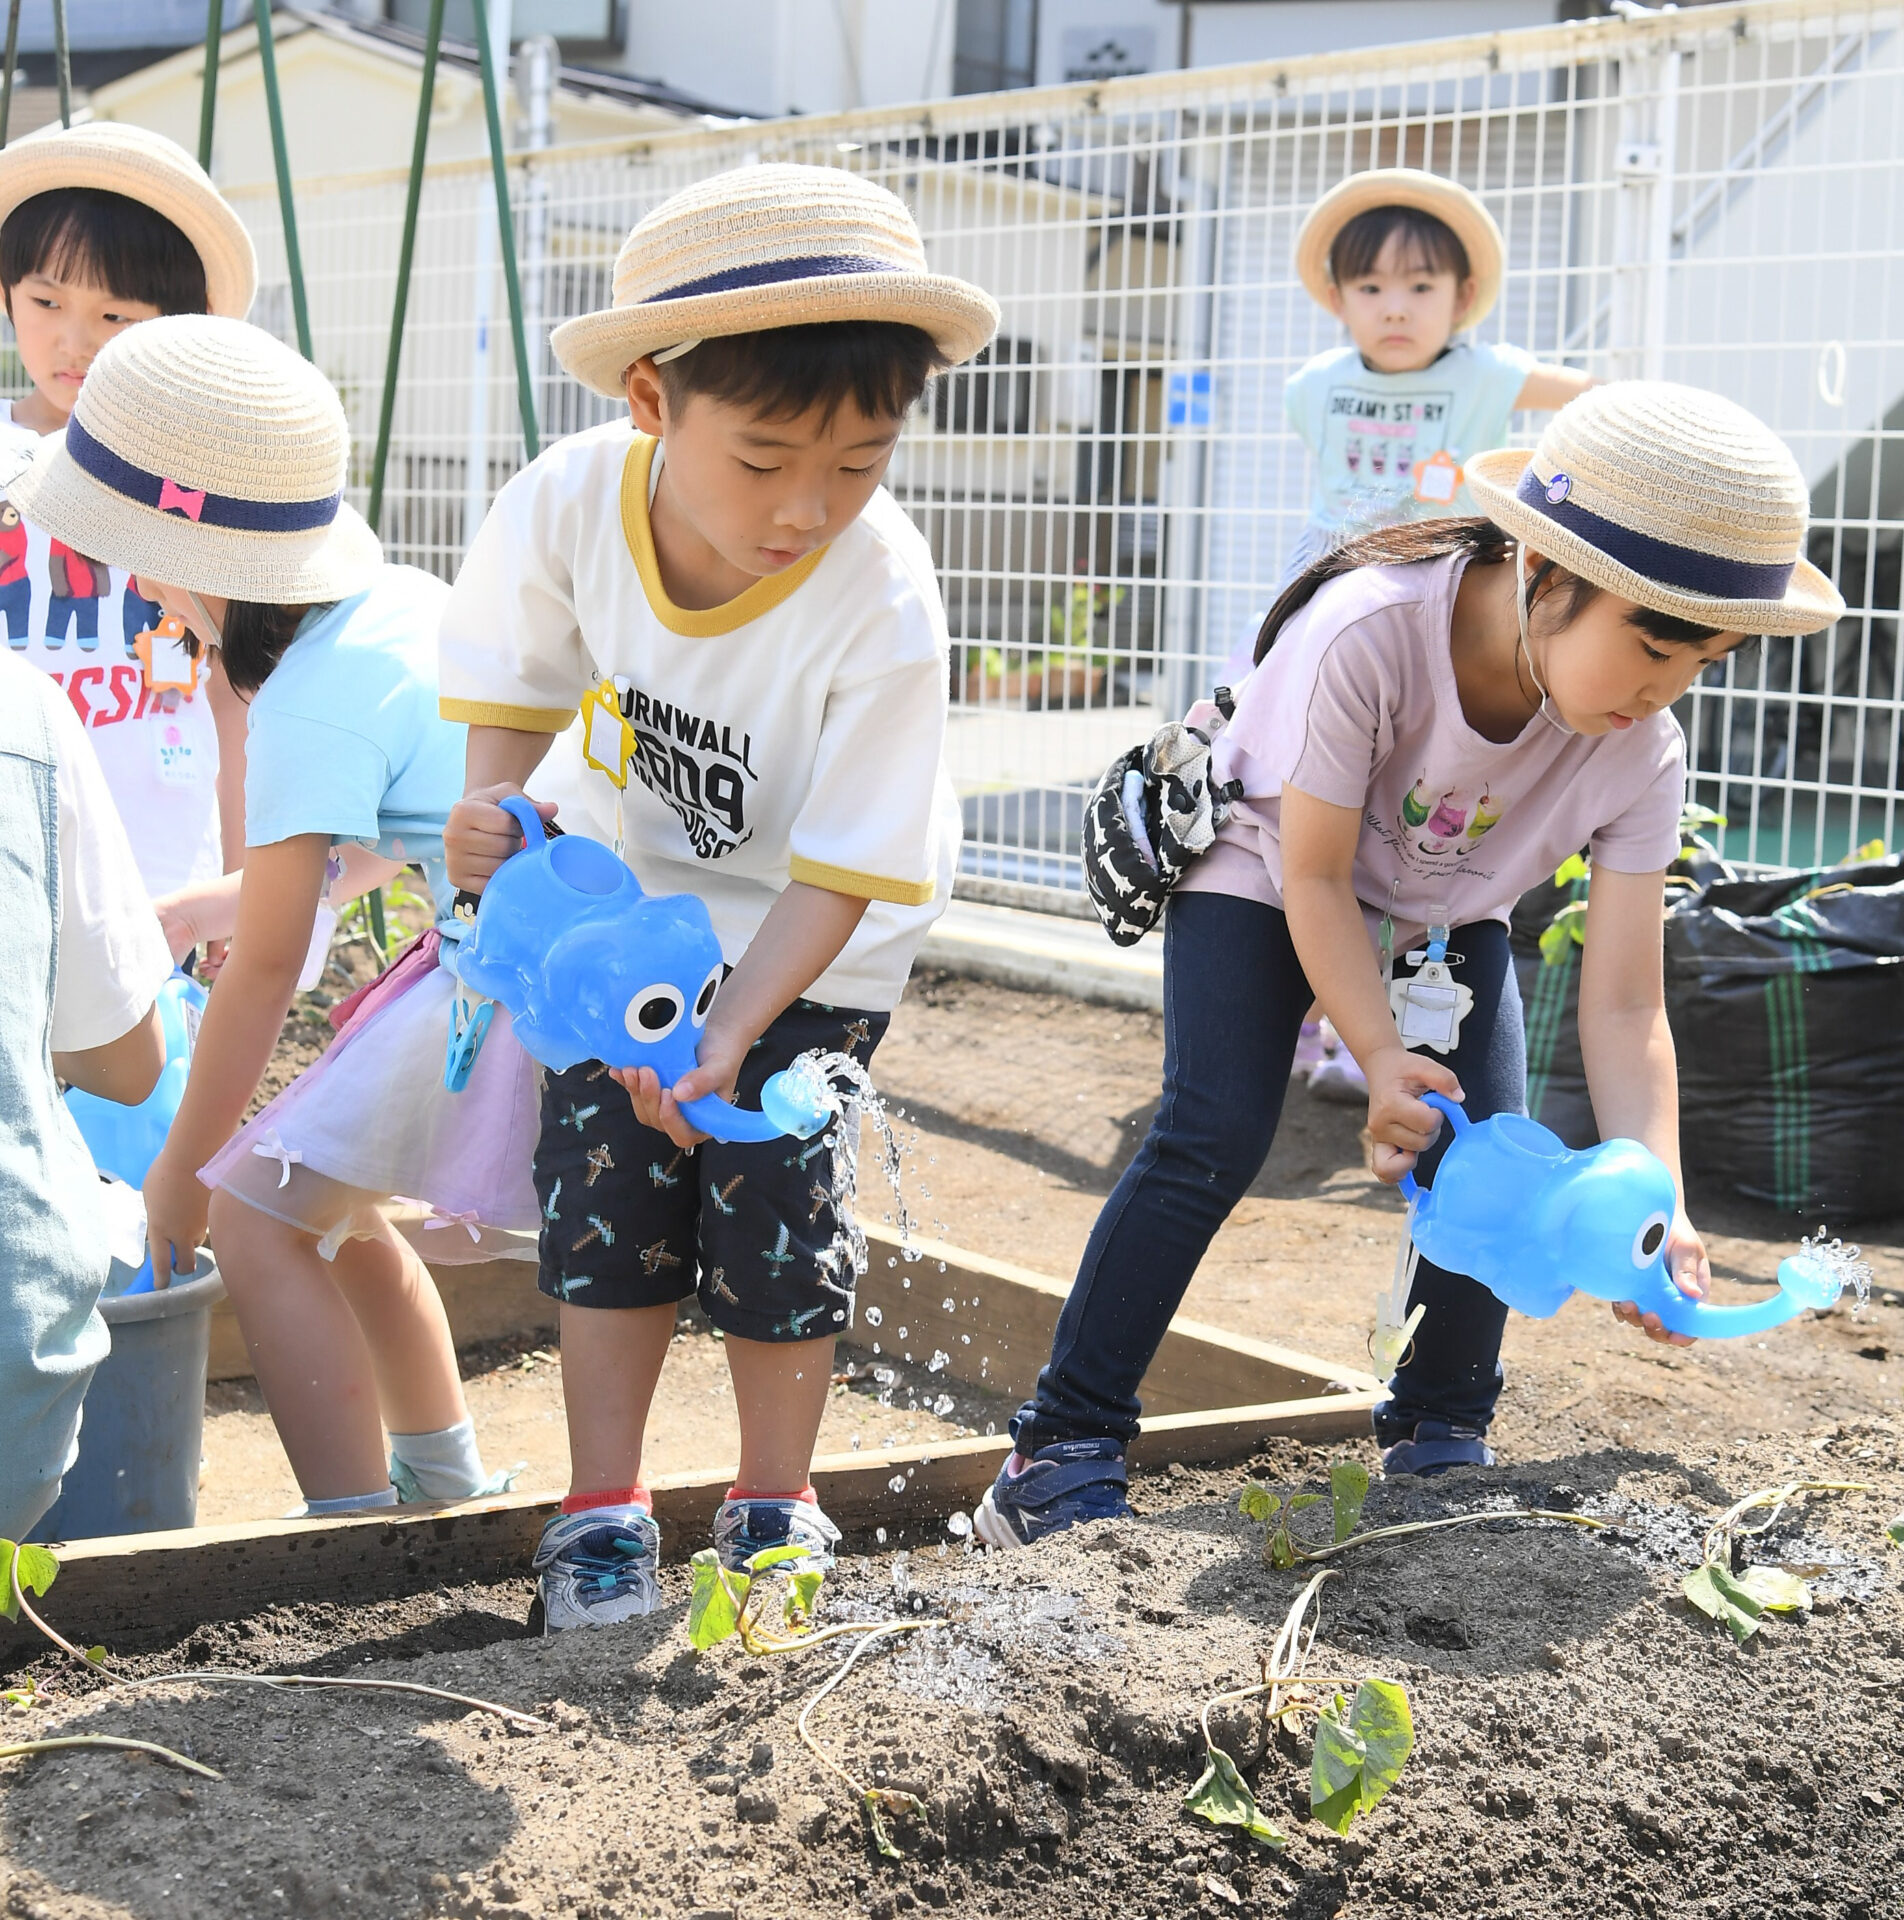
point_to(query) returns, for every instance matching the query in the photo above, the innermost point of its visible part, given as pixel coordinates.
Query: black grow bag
(1786, 997)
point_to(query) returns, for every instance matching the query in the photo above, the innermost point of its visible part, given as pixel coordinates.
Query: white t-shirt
(112, 956)
(75, 618)
(795, 733)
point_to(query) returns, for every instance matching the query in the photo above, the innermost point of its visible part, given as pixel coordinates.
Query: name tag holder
(166, 658)
(1430, 1004)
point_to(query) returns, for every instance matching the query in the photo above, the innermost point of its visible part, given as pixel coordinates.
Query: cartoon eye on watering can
(1533, 1220)
(592, 968)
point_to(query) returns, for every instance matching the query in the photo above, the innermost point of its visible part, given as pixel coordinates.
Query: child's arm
(230, 716)
(1548, 387)
(240, 1028)
(207, 911)
(479, 836)
(1325, 922)
(804, 932)
(1627, 1048)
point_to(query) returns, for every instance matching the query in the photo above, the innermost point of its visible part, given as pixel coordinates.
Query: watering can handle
(526, 818)
(1456, 1119)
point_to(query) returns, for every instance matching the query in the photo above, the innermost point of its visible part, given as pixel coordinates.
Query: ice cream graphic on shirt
(1439, 823)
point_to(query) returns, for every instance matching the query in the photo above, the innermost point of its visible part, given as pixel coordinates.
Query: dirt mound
(1586, 1743)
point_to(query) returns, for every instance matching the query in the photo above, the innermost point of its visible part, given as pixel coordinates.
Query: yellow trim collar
(489, 713)
(861, 886)
(703, 624)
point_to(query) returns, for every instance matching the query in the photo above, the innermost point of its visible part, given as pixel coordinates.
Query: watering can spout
(795, 1103)
(1804, 1285)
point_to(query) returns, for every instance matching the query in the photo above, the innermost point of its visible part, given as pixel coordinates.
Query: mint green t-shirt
(1371, 433)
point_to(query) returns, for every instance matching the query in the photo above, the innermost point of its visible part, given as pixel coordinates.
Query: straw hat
(148, 168)
(770, 246)
(1403, 187)
(1669, 496)
(205, 454)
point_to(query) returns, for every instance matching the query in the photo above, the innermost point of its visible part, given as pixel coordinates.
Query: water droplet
(906, 1281)
(875, 1346)
(939, 1362)
(854, 1443)
(873, 1317)
(991, 1428)
(965, 1339)
(948, 1306)
(943, 1405)
(903, 1331)
(885, 1376)
(958, 1525)
(879, 1534)
(897, 1484)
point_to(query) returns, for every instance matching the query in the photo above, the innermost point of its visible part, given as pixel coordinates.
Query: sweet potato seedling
(1726, 1587)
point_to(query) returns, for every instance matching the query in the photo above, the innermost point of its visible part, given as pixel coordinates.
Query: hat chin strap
(666, 354)
(203, 621)
(1552, 717)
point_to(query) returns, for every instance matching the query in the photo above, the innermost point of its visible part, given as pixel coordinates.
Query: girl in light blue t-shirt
(210, 460)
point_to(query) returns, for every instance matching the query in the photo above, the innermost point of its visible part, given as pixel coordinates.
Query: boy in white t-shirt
(726, 568)
(103, 226)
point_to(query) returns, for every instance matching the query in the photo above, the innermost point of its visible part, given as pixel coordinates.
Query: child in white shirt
(725, 568)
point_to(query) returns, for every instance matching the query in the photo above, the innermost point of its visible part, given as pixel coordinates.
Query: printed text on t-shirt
(695, 765)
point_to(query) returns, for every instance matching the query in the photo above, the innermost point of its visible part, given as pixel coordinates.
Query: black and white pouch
(1154, 811)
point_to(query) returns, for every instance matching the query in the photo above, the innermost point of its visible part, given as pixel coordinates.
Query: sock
(609, 1497)
(803, 1493)
(447, 1464)
(350, 1503)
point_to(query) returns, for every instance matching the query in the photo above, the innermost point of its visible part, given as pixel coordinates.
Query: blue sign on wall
(1190, 398)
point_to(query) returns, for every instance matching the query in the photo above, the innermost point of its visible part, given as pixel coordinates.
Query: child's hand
(718, 1068)
(177, 924)
(1686, 1261)
(478, 836)
(1401, 1124)
(176, 1208)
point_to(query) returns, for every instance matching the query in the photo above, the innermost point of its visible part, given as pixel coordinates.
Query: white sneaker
(597, 1567)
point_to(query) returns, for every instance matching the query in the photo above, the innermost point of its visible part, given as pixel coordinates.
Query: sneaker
(1066, 1484)
(597, 1567)
(747, 1526)
(1336, 1076)
(1434, 1447)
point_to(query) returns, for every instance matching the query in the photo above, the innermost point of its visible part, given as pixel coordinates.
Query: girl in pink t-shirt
(1440, 714)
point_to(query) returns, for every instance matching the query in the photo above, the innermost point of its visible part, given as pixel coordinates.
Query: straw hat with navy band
(148, 168)
(1669, 496)
(770, 246)
(1450, 203)
(204, 453)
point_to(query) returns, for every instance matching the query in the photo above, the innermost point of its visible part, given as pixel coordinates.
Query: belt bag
(1154, 811)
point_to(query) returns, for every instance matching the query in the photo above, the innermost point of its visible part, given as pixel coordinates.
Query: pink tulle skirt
(371, 1131)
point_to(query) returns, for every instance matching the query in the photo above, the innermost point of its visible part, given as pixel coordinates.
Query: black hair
(1486, 546)
(87, 233)
(1355, 250)
(255, 637)
(781, 373)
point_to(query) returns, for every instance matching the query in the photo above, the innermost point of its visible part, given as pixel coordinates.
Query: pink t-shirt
(1356, 704)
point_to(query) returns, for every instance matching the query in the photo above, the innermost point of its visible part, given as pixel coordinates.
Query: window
(996, 45)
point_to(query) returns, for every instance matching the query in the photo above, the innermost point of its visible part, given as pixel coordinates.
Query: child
(729, 570)
(1404, 260)
(211, 460)
(103, 226)
(1448, 711)
(84, 963)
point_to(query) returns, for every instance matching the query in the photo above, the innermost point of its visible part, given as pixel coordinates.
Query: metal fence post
(208, 93)
(6, 84)
(62, 63)
(386, 412)
(281, 159)
(525, 389)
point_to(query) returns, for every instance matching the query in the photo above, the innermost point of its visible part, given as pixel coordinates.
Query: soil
(1586, 1744)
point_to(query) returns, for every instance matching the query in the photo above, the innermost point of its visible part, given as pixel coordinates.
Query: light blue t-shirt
(1372, 433)
(345, 738)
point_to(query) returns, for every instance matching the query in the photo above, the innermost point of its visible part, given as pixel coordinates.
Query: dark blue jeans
(1234, 998)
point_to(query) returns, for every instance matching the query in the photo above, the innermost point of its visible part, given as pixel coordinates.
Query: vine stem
(1777, 1498)
(113, 1740)
(1452, 1520)
(1284, 1663)
(879, 1630)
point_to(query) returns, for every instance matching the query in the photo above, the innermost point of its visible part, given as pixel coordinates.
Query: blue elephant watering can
(124, 1141)
(592, 968)
(1533, 1221)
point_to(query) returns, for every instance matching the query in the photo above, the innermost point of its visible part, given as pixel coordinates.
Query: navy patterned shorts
(631, 1220)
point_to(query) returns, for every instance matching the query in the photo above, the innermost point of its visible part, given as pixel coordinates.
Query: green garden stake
(525, 386)
(6, 84)
(62, 63)
(379, 937)
(386, 413)
(208, 94)
(281, 159)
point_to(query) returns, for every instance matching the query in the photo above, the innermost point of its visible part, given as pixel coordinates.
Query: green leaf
(1256, 1502)
(1282, 1550)
(1776, 1590)
(803, 1592)
(1299, 1501)
(1570, 869)
(34, 1567)
(1895, 1531)
(1716, 1594)
(879, 1801)
(1348, 1488)
(1222, 1797)
(97, 1655)
(714, 1608)
(1358, 1759)
(775, 1557)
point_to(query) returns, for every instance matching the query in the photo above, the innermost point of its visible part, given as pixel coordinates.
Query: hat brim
(272, 569)
(1810, 601)
(44, 164)
(1454, 205)
(598, 348)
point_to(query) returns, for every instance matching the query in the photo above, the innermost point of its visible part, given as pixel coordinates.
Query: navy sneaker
(1434, 1447)
(1066, 1484)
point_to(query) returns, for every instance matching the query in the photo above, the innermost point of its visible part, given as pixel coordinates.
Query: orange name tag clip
(169, 663)
(608, 741)
(1437, 479)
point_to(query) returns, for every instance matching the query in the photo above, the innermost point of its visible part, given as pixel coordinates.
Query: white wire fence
(1705, 196)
